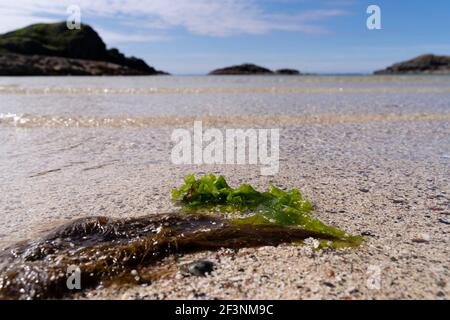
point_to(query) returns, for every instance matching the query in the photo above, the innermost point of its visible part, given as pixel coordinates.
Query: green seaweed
(108, 250)
(273, 207)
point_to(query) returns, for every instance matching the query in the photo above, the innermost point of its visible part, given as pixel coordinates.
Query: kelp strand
(106, 250)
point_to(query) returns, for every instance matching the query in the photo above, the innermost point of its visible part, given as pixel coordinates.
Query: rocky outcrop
(252, 69)
(425, 64)
(53, 49)
(243, 69)
(22, 65)
(288, 72)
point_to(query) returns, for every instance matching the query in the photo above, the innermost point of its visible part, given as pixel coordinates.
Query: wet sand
(383, 174)
(397, 195)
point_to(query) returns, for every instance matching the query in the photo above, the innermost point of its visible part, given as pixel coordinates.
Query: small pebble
(365, 190)
(200, 267)
(352, 290)
(422, 238)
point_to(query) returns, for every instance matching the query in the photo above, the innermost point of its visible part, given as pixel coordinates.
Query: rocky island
(425, 64)
(288, 72)
(53, 49)
(251, 69)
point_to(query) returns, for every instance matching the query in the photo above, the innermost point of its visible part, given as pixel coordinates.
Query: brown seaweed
(107, 250)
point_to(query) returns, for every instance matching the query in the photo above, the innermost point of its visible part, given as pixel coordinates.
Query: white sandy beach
(371, 153)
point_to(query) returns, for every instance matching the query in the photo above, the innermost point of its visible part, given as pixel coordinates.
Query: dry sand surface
(385, 178)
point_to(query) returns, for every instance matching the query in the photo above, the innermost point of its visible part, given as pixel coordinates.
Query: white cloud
(13, 17)
(116, 37)
(201, 17)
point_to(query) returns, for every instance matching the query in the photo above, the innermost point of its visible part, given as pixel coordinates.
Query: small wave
(232, 90)
(13, 119)
(32, 121)
(47, 121)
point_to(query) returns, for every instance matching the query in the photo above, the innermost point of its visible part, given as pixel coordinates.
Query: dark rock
(200, 267)
(365, 190)
(353, 291)
(243, 69)
(367, 234)
(22, 65)
(288, 72)
(328, 284)
(428, 63)
(444, 221)
(441, 283)
(54, 48)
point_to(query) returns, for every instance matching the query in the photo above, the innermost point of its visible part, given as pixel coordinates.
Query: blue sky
(196, 36)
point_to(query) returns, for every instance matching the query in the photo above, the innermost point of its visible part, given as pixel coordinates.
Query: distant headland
(424, 64)
(53, 49)
(252, 69)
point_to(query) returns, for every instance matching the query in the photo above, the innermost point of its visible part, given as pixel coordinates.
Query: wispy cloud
(14, 17)
(201, 17)
(116, 37)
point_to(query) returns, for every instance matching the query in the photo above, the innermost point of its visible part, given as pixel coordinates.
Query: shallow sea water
(77, 146)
